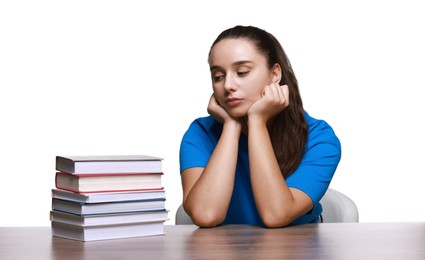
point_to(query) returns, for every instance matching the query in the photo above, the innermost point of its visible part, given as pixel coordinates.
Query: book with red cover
(88, 183)
(105, 164)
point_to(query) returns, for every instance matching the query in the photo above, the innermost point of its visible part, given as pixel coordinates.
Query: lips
(233, 101)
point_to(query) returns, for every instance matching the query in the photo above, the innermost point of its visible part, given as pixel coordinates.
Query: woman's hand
(275, 98)
(217, 111)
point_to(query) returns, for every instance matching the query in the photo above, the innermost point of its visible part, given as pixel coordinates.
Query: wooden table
(313, 241)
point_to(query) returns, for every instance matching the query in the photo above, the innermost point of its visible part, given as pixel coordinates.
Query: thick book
(103, 164)
(108, 219)
(107, 207)
(108, 196)
(105, 232)
(87, 183)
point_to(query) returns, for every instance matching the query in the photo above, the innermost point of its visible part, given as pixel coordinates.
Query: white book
(103, 164)
(108, 231)
(108, 219)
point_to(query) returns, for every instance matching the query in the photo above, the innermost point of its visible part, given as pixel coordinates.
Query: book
(87, 183)
(108, 219)
(108, 196)
(105, 232)
(103, 164)
(107, 207)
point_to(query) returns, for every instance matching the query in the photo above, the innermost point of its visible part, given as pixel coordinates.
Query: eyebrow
(238, 63)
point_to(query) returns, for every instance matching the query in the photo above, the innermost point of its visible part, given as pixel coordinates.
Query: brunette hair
(288, 131)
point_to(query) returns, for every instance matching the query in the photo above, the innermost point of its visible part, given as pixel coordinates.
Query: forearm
(209, 198)
(274, 199)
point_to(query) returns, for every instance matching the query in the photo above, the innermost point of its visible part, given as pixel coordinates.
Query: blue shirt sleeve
(319, 163)
(198, 143)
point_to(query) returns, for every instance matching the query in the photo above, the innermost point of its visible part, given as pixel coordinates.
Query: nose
(229, 83)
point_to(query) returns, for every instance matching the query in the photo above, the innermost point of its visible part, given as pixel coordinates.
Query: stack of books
(108, 197)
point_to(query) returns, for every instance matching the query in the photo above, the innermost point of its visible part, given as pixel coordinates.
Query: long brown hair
(288, 131)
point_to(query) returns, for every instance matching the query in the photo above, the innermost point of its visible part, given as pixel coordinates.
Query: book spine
(65, 164)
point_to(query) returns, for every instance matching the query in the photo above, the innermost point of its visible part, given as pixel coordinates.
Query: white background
(128, 77)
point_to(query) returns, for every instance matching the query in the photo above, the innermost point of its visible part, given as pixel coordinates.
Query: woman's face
(239, 74)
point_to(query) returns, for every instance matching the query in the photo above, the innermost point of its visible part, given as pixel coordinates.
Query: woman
(259, 158)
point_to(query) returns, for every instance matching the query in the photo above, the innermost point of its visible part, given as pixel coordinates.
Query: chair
(337, 207)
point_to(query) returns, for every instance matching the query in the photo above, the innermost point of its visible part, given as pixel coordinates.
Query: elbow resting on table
(204, 217)
(207, 218)
(271, 220)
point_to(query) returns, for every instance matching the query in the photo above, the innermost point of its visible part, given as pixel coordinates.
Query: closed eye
(217, 78)
(242, 73)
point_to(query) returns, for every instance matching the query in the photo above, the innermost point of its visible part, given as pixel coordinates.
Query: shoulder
(203, 128)
(320, 132)
(205, 124)
(206, 121)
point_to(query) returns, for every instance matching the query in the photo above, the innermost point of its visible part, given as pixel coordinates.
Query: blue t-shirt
(313, 175)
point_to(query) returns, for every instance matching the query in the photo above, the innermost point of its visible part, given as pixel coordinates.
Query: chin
(237, 114)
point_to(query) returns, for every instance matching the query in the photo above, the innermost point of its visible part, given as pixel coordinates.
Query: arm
(207, 191)
(278, 205)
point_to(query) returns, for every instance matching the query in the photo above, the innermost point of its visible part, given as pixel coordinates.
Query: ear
(276, 73)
